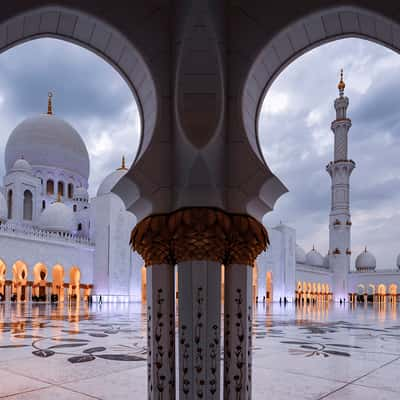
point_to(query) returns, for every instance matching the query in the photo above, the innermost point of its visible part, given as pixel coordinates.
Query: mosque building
(58, 244)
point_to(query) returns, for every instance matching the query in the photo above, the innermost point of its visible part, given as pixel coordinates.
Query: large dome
(57, 218)
(46, 140)
(365, 261)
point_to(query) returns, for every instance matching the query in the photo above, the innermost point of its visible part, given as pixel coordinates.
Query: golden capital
(199, 233)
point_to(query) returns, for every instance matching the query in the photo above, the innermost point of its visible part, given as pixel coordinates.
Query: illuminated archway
(39, 282)
(255, 280)
(3, 271)
(20, 281)
(57, 287)
(74, 284)
(269, 286)
(144, 283)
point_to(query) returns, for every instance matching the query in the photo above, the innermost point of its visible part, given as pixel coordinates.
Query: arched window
(60, 188)
(79, 227)
(70, 190)
(43, 204)
(10, 203)
(74, 208)
(50, 186)
(28, 206)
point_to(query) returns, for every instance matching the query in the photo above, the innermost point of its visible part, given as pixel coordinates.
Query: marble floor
(308, 352)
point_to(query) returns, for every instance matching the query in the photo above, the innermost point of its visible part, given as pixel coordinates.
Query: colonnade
(19, 288)
(199, 241)
(313, 292)
(372, 293)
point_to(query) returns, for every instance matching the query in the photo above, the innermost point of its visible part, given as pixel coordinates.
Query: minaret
(339, 219)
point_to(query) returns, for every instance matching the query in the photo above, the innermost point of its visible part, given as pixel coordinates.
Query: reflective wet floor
(308, 352)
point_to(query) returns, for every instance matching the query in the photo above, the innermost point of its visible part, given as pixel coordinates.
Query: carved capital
(151, 239)
(199, 234)
(248, 239)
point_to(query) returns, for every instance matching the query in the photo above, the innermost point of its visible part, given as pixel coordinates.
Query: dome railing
(31, 232)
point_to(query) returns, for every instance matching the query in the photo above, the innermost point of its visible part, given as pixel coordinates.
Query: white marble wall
(113, 256)
(32, 252)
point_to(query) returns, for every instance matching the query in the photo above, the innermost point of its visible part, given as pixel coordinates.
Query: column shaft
(237, 332)
(161, 332)
(199, 330)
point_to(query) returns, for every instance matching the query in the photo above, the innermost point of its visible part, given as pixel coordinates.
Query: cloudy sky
(294, 128)
(297, 143)
(88, 93)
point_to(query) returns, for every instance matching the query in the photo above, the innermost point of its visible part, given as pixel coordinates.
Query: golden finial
(123, 166)
(341, 85)
(49, 104)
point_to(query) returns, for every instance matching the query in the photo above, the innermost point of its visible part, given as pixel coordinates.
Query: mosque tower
(339, 219)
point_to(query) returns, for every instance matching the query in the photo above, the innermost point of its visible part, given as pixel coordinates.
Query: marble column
(161, 332)
(199, 329)
(237, 332)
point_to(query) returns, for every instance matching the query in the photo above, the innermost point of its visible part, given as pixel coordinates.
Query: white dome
(81, 193)
(110, 181)
(57, 217)
(365, 261)
(21, 165)
(313, 257)
(46, 140)
(3, 208)
(300, 255)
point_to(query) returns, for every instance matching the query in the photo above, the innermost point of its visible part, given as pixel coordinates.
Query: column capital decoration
(199, 233)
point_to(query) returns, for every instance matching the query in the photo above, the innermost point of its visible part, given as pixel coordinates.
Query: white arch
(298, 38)
(97, 36)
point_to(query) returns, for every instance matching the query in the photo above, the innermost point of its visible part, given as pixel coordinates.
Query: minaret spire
(49, 103)
(341, 84)
(340, 170)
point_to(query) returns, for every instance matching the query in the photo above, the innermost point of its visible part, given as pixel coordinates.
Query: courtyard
(315, 351)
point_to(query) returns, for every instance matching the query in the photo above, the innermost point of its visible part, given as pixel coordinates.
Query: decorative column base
(199, 329)
(161, 332)
(238, 332)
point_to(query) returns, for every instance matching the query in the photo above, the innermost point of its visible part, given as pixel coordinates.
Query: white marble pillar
(199, 330)
(161, 332)
(237, 332)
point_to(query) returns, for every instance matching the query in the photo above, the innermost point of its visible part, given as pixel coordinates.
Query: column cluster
(199, 241)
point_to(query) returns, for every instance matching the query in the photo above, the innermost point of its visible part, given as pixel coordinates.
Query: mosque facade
(58, 244)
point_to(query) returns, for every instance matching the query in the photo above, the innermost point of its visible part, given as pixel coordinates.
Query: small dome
(81, 193)
(300, 255)
(365, 261)
(21, 165)
(57, 218)
(111, 180)
(313, 257)
(3, 208)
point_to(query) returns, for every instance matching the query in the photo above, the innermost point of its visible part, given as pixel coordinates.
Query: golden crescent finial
(341, 84)
(49, 103)
(123, 166)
